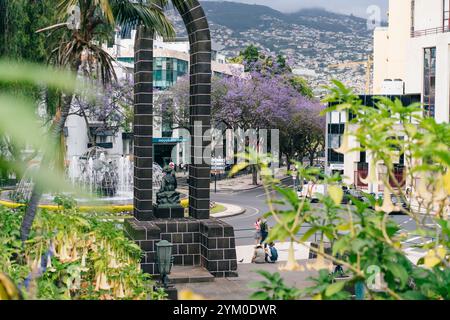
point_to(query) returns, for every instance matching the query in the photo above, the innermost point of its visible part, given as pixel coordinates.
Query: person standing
(257, 227)
(264, 227)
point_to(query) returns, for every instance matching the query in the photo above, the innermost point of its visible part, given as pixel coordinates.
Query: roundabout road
(254, 201)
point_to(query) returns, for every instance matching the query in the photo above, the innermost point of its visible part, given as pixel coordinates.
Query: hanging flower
(345, 145)
(292, 264)
(372, 177)
(387, 206)
(320, 263)
(120, 293)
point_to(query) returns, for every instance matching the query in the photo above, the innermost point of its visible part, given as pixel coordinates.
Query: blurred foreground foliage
(361, 236)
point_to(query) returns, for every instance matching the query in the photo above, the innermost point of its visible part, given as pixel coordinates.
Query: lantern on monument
(164, 260)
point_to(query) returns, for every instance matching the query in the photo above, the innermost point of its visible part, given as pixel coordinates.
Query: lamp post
(164, 260)
(294, 175)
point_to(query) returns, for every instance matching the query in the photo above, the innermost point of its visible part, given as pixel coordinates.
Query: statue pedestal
(172, 212)
(205, 243)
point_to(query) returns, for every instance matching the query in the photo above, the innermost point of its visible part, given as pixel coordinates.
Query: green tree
(301, 85)
(79, 49)
(255, 60)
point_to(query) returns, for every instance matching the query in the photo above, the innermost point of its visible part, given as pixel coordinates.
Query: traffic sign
(217, 164)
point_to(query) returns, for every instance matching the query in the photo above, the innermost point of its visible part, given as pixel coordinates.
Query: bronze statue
(167, 196)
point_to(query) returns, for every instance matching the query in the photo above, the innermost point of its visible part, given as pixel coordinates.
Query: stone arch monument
(198, 240)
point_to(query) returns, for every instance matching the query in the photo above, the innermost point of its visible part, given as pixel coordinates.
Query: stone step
(189, 274)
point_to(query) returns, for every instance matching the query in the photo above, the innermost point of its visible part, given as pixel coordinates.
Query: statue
(167, 196)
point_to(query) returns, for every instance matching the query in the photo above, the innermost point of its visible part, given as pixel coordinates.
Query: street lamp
(164, 260)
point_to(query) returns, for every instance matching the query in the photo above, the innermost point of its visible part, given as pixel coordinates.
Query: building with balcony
(415, 49)
(354, 166)
(412, 63)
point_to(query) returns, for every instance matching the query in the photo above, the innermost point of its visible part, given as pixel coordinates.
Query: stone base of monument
(173, 212)
(207, 243)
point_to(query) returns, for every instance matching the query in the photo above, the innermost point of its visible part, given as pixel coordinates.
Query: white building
(415, 48)
(412, 62)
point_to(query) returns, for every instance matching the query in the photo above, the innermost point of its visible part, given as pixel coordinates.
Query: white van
(312, 191)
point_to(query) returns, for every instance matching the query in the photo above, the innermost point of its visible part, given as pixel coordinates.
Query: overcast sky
(357, 7)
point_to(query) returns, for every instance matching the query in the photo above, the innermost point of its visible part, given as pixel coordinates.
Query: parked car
(357, 194)
(312, 191)
(400, 201)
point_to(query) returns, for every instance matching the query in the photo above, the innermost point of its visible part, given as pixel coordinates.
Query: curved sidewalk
(231, 211)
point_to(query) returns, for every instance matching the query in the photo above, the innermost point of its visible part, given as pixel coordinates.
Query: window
(334, 141)
(446, 16)
(429, 82)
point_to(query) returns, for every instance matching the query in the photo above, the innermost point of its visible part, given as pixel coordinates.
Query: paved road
(254, 201)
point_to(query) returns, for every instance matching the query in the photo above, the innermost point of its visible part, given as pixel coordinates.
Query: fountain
(110, 179)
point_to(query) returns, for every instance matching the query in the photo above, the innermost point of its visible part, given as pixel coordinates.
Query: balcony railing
(361, 174)
(398, 179)
(426, 32)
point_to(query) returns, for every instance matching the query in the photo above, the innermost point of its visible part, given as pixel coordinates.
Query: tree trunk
(36, 194)
(254, 175)
(312, 158)
(3, 27)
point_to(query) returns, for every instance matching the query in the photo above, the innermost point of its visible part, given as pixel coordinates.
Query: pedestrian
(271, 253)
(264, 227)
(257, 227)
(259, 256)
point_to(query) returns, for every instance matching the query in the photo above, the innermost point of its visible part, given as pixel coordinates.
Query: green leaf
(340, 246)
(13, 72)
(308, 234)
(336, 193)
(398, 271)
(259, 295)
(238, 167)
(335, 288)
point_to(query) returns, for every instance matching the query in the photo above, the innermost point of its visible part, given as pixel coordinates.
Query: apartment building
(415, 49)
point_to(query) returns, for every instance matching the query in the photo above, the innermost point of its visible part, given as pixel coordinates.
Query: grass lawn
(218, 209)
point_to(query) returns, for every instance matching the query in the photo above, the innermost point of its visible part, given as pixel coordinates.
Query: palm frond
(64, 5)
(53, 27)
(106, 10)
(130, 15)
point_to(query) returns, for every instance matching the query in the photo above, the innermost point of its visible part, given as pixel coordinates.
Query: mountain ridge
(311, 38)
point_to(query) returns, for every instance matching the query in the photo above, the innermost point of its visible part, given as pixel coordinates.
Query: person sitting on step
(259, 256)
(272, 253)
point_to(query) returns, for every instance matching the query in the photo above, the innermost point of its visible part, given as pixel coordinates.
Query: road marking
(408, 221)
(244, 216)
(411, 239)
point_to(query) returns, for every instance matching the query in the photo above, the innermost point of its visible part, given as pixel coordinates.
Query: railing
(400, 179)
(426, 32)
(361, 174)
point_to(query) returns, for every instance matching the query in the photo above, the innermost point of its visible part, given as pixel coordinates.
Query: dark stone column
(143, 124)
(198, 240)
(200, 106)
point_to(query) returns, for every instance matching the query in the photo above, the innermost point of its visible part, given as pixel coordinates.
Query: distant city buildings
(305, 45)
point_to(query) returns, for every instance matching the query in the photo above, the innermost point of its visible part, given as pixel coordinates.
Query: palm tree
(79, 50)
(3, 25)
